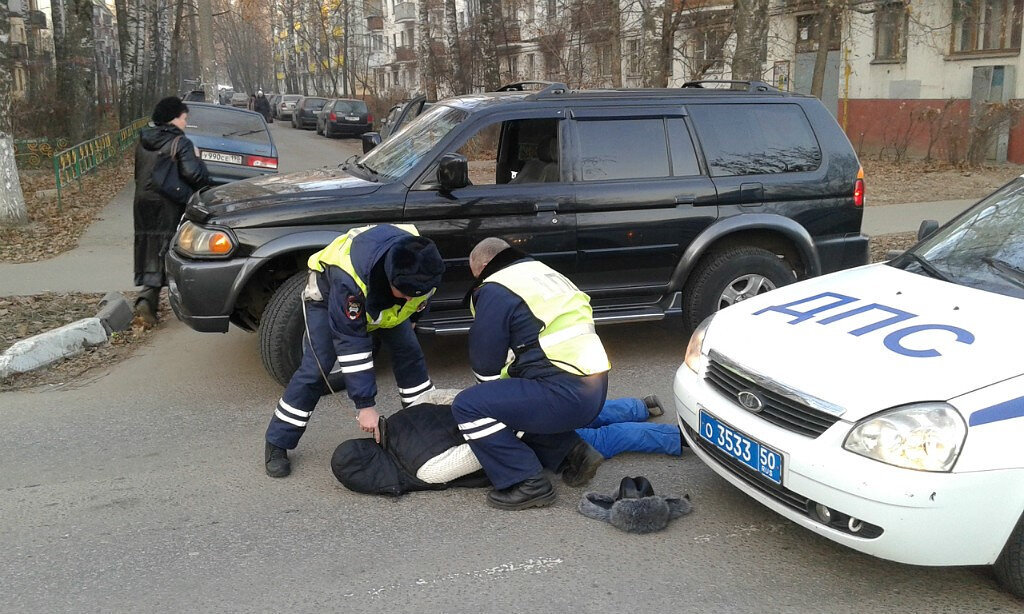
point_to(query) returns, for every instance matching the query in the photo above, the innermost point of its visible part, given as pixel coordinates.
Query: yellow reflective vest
(568, 337)
(339, 254)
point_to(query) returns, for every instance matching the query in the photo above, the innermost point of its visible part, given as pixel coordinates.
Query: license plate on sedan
(216, 156)
(752, 453)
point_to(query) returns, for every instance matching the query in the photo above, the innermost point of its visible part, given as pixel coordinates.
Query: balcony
(405, 11)
(508, 33)
(375, 23)
(405, 54)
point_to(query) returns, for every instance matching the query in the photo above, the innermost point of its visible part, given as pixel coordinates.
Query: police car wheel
(281, 329)
(1009, 567)
(729, 276)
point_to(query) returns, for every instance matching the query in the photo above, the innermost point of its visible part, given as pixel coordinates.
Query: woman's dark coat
(156, 216)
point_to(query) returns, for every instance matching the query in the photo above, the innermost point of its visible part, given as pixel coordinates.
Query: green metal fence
(37, 153)
(69, 165)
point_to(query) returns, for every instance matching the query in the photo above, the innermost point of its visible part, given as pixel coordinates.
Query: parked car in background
(274, 99)
(195, 96)
(881, 407)
(657, 203)
(286, 105)
(234, 143)
(397, 116)
(344, 117)
(240, 99)
(306, 109)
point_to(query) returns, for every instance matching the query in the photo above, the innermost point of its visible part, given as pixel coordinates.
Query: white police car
(881, 407)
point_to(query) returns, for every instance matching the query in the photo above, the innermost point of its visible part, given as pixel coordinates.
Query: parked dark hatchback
(655, 202)
(234, 143)
(305, 112)
(344, 117)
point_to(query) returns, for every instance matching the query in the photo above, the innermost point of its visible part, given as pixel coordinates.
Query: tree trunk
(428, 72)
(826, 19)
(175, 69)
(460, 80)
(74, 45)
(12, 201)
(489, 51)
(751, 21)
(206, 52)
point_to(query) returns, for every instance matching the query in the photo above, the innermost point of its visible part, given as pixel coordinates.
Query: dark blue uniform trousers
(296, 406)
(490, 415)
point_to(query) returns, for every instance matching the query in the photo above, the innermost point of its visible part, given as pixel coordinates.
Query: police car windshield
(403, 150)
(984, 248)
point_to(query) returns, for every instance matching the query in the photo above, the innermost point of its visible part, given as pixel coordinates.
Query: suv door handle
(686, 199)
(547, 205)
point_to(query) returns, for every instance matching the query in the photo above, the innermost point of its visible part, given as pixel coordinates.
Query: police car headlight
(926, 437)
(201, 242)
(694, 356)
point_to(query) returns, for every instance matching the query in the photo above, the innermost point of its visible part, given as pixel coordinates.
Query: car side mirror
(926, 229)
(370, 140)
(452, 172)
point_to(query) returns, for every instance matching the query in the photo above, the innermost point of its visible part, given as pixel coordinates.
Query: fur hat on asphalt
(634, 507)
(168, 109)
(414, 266)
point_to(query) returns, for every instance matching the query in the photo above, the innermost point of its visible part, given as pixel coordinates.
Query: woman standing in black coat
(156, 215)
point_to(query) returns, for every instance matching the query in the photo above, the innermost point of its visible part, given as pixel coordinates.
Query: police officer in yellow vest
(543, 371)
(373, 280)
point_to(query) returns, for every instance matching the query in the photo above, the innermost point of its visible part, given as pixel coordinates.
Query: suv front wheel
(281, 329)
(727, 277)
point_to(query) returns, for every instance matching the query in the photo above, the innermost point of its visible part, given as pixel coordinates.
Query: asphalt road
(142, 488)
(302, 149)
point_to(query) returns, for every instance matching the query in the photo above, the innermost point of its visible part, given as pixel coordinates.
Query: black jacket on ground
(156, 216)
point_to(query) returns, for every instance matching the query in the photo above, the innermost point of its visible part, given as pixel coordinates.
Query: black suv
(306, 110)
(655, 202)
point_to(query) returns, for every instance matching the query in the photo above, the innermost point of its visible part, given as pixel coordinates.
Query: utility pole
(206, 54)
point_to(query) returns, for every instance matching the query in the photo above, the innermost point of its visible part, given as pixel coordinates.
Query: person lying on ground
(422, 448)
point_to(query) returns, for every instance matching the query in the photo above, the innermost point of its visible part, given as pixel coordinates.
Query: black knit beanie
(168, 109)
(414, 266)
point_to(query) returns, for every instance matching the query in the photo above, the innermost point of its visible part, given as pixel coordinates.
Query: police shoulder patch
(353, 307)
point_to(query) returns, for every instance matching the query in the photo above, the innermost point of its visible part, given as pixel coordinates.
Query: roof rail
(520, 86)
(752, 86)
(552, 89)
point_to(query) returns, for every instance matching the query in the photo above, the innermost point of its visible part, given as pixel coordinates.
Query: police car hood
(872, 338)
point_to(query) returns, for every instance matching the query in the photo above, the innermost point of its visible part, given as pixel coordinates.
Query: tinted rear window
(750, 139)
(350, 106)
(222, 122)
(291, 98)
(623, 149)
(314, 103)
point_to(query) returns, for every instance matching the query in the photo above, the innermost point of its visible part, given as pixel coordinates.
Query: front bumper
(203, 292)
(925, 518)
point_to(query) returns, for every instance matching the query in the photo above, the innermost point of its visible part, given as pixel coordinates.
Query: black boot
(534, 492)
(581, 464)
(146, 305)
(653, 404)
(278, 465)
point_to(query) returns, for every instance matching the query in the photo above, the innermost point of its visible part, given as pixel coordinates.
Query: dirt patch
(915, 181)
(54, 229)
(881, 245)
(24, 316)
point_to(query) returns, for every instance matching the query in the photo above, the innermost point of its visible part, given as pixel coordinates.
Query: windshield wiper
(1009, 271)
(927, 266)
(242, 133)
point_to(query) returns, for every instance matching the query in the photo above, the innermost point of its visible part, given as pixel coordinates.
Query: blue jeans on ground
(621, 427)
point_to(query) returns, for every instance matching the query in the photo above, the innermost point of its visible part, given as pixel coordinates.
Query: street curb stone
(115, 312)
(53, 345)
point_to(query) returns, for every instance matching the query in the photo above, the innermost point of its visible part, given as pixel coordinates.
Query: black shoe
(535, 492)
(278, 465)
(653, 404)
(682, 442)
(581, 464)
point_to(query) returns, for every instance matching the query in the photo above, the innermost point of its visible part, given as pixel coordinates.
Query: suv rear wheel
(281, 329)
(730, 276)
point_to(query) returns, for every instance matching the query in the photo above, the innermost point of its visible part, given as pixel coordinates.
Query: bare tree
(12, 201)
(751, 23)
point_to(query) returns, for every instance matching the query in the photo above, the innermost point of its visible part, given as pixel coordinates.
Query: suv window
(514, 151)
(350, 106)
(396, 156)
(749, 139)
(684, 157)
(623, 149)
(313, 104)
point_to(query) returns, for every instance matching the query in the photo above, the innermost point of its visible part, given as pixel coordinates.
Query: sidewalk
(102, 262)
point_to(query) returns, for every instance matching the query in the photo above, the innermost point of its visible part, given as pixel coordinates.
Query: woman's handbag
(166, 177)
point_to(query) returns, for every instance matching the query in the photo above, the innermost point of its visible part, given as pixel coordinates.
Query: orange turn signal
(220, 243)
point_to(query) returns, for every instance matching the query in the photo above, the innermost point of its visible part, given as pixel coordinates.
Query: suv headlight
(199, 242)
(926, 437)
(693, 356)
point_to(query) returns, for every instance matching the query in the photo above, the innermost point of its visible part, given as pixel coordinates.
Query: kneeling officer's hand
(368, 418)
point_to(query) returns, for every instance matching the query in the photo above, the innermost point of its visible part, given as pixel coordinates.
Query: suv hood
(241, 202)
(874, 370)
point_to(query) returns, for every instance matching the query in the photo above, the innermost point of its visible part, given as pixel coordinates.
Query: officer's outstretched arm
(489, 336)
(352, 343)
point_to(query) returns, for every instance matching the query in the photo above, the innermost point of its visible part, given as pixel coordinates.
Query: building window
(709, 49)
(633, 57)
(552, 9)
(891, 32)
(808, 32)
(514, 67)
(531, 66)
(986, 25)
(604, 60)
(531, 10)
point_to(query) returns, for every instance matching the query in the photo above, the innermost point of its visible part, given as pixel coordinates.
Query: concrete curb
(70, 340)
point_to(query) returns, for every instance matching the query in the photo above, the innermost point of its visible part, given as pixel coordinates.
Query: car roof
(224, 108)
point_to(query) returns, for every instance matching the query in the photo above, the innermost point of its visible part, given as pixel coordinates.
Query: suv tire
(1009, 567)
(281, 329)
(730, 276)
